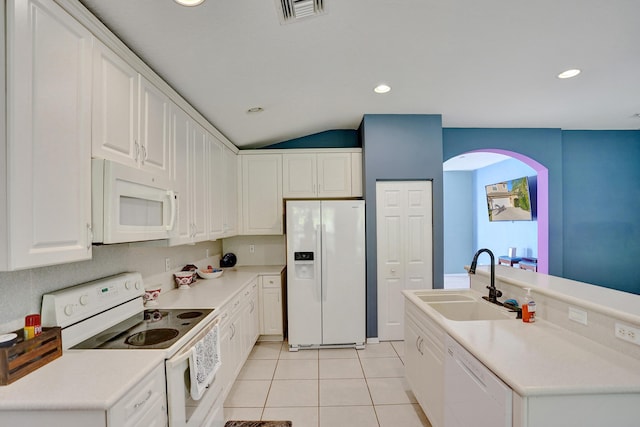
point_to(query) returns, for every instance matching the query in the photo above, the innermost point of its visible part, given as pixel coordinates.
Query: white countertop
(540, 358)
(97, 379)
(213, 293)
(80, 379)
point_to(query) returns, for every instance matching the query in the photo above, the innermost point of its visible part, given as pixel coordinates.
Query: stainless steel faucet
(494, 293)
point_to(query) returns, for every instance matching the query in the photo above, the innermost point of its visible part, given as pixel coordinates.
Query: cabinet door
(143, 405)
(115, 107)
(154, 129)
(356, 174)
(334, 175)
(299, 175)
(181, 176)
(199, 185)
(48, 134)
(262, 194)
(216, 183)
(271, 306)
(230, 193)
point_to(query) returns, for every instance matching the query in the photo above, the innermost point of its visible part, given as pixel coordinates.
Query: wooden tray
(26, 356)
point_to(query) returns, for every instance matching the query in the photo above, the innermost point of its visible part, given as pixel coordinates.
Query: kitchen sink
(445, 297)
(471, 310)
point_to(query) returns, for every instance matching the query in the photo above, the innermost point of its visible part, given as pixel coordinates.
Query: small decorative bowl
(150, 296)
(183, 279)
(210, 274)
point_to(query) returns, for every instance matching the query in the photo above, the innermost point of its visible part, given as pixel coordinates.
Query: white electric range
(109, 314)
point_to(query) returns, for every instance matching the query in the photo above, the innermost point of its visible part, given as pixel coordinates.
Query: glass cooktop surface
(152, 329)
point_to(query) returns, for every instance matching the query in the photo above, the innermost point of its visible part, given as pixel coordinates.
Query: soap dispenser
(528, 308)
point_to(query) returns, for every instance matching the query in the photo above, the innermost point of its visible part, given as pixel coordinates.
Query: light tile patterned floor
(326, 387)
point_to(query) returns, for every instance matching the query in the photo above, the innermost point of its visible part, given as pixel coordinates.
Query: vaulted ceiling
(489, 63)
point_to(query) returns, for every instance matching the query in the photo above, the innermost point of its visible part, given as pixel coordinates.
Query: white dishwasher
(473, 395)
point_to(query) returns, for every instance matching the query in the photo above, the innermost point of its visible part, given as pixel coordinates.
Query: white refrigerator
(325, 273)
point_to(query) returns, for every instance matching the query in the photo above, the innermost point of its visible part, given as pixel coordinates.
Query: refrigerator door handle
(325, 262)
(319, 280)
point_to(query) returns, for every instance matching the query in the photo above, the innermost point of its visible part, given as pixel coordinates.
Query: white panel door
(404, 229)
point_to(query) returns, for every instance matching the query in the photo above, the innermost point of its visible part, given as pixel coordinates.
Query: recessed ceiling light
(382, 88)
(189, 2)
(255, 110)
(569, 73)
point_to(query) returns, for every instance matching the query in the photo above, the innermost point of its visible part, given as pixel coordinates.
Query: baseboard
(373, 340)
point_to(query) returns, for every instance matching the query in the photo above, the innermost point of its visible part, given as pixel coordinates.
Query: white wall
(268, 250)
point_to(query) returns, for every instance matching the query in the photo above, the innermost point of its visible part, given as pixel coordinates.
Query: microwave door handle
(172, 198)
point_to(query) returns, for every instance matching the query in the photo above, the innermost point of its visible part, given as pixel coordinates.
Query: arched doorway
(541, 200)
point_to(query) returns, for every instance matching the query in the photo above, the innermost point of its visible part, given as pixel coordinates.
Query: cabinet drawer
(139, 401)
(271, 281)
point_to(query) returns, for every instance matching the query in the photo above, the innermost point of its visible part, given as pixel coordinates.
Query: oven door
(184, 410)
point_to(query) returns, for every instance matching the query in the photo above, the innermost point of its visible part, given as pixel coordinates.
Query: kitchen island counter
(554, 355)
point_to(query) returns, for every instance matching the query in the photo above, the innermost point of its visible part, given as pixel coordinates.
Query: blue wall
(541, 145)
(602, 207)
(459, 229)
(499, 236)
(339, 138)
(400, 147)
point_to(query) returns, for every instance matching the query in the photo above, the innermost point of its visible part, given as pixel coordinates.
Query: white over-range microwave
(129, 204)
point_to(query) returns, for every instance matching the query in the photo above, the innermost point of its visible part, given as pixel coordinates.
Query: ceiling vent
(294, 10)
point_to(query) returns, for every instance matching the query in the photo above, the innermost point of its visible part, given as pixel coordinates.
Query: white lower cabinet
(271, 306)
(145, 405)
(239, 331)
(424, 362)
(586, 410)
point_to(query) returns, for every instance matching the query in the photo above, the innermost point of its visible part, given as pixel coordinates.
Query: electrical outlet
(627, 333)
(577, 315)
(167, 264)
(252, 248)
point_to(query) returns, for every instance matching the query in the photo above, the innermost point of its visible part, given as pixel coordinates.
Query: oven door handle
(186, 351)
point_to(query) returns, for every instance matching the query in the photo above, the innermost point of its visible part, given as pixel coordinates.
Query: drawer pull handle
(139, 404)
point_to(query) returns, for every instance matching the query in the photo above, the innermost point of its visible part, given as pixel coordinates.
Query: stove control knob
(68, 309)
(138, 285)
(84, 299)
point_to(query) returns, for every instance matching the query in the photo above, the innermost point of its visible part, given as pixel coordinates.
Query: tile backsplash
(21, 291)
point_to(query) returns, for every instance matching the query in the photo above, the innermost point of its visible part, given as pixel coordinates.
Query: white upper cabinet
(216, 182)
(229, 193)
(130, 115)
(154, 141)
(115, 107)
(45, 198)
(189, 175)
(319, 175)
(262, 194)
(299, 175)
